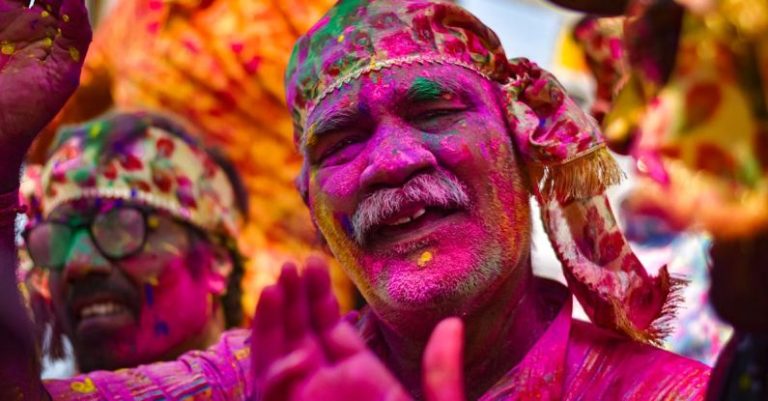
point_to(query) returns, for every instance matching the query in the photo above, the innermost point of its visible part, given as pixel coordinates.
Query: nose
(84, 258)
(397, 156)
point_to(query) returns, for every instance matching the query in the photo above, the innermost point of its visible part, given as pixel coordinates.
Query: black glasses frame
(145, 214)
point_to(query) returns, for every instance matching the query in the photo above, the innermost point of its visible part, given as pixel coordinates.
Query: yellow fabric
(700, 137)
(220, 64)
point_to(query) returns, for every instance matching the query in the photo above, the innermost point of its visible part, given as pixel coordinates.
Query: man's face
(413, 181)
(147, 307)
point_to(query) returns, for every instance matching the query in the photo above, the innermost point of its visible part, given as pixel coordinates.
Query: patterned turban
(145, 158)
(562, 147)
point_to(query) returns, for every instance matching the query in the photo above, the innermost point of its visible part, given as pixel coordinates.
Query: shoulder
(220, 372)
(603, 364)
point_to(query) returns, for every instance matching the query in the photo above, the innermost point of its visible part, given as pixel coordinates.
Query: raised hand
(302, 350)
(41, 55)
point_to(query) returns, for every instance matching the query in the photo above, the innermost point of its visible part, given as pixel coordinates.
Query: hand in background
(41, 54)
(302, 350)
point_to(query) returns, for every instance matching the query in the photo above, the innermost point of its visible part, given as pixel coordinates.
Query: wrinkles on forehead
(393, 89)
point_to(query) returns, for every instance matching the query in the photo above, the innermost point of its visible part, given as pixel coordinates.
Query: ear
(218, 270)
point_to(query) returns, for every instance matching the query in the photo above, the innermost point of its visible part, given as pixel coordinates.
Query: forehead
(394, 81)
(383, 91)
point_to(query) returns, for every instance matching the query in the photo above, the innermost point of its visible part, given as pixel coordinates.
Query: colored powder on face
(161, 328)
(425, 258)
(346, 224)
(153, 222)
(149, 294)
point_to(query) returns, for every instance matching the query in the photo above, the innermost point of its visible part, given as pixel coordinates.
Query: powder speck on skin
(7, 48)
(425, 258)
(149, 294)
(161, 328)
(74, 54)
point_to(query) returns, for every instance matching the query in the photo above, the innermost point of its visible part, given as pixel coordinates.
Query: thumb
(443, 378)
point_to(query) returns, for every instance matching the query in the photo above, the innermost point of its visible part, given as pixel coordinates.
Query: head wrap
(562, 147)
(694, 112)
(144, 158)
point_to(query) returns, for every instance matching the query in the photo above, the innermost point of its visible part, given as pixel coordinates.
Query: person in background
(134, 218)
(219, 64)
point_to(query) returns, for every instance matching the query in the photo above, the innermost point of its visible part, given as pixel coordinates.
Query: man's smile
(412, 226)
(98, 307)
(102, 315)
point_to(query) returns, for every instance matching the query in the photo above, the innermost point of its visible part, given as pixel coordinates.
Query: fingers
(443, 369)
(324, 308)
(297, 325)
(268, 333)
(75, 26)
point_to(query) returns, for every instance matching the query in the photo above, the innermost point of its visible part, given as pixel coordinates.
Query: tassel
(662, 325)
(579, 178)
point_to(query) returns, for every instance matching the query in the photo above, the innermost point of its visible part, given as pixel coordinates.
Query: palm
(302, 350)
(41, 55)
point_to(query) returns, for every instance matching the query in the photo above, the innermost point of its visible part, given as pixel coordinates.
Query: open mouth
(411, 223)
(102, 313)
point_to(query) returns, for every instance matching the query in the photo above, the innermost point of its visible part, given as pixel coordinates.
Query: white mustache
(438, 189)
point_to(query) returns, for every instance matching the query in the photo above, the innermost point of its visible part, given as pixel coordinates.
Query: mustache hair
(436, 189)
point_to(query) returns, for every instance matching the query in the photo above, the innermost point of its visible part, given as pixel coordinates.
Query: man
(421, 145)
(133, 219)
(417, 134)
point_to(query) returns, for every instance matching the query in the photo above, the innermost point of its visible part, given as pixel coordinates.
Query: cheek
(333, 197)
(474, 144)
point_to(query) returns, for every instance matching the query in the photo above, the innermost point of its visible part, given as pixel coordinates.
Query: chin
(447, 279)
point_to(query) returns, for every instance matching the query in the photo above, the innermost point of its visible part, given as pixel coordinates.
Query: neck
(499, 330)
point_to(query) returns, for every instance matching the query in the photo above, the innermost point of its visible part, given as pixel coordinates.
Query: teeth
(102, 309)
(401, 221)
(406, 220)
(418, 213)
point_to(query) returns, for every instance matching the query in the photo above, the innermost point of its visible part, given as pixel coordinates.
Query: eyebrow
(329, 121)
(424, 89)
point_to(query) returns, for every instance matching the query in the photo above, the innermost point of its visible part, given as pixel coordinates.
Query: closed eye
(432, 120)
(335, 153)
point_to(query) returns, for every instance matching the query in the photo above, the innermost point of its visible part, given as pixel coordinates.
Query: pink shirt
(220, 373)
(572, 361)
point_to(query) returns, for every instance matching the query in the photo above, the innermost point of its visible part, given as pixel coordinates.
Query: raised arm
(41, 54)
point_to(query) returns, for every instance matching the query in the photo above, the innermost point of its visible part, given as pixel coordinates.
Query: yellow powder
(424, 258)
(7, 48)
(74, 53)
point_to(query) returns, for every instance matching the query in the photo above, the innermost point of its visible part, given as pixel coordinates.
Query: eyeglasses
(117, 234)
